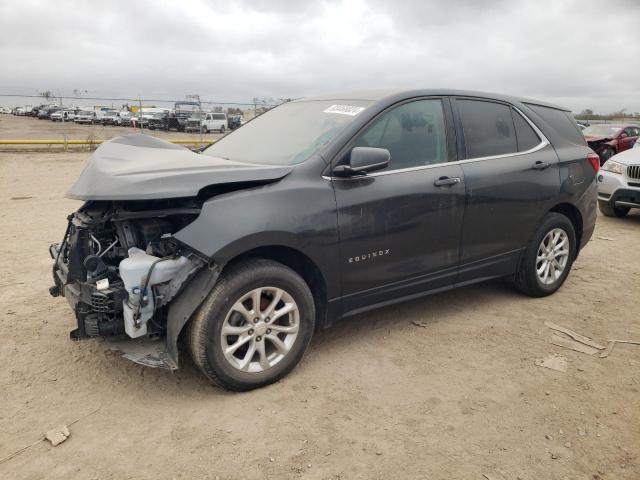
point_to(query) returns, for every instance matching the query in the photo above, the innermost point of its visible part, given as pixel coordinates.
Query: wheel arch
(573, 214)
(300, 263)
(188, 301)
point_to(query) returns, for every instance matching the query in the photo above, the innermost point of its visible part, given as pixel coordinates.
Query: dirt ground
(439, 388)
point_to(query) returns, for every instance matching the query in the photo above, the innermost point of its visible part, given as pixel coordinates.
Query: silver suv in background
(619, 184)
(86, 116)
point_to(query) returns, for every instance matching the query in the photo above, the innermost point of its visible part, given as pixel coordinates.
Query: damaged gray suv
(316, 210)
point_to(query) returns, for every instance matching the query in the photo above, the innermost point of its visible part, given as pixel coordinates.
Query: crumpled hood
(141, 167)
(597, 138)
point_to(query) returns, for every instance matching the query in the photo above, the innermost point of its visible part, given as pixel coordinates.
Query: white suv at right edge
(619, 184)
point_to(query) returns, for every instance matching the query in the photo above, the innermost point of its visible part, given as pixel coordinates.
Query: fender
(185, 304)
(301, 215)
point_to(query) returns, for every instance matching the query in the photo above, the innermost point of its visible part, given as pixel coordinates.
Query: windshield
(288, 134)
(86, 113)
(604, 130)
(110, 114)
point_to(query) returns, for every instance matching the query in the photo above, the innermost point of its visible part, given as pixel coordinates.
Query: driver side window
(414, 133)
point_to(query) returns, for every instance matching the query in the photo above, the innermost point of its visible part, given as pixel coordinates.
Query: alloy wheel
(260, 329)
(553, 255)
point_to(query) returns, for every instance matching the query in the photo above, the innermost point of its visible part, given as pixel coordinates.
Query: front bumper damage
(138, 304)
(618, 190)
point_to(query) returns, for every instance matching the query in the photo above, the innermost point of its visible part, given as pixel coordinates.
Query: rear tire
(609, 210)
(548, 258)
(606, 154)
(270, 335)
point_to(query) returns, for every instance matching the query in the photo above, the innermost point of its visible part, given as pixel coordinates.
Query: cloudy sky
(578, 53)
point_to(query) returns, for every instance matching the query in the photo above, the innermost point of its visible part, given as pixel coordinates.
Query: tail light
(594, 160)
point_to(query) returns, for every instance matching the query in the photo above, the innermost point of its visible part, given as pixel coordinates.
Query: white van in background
(86, 116)
(214, 121)
(63, 115)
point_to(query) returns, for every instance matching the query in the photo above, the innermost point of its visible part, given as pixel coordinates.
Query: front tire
(548, 258)
(254, 326)
(609, 210)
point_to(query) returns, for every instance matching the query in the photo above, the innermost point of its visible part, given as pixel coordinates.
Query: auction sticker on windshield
(344, 110)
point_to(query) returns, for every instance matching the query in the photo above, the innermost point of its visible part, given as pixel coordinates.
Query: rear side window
(218, 116)
(562, 122)
(525, 134)
(488, 128)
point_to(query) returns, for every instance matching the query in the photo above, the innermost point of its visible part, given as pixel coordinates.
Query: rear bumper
(588, 206)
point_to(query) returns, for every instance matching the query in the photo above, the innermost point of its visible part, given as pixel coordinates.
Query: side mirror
(623, 135)
(363, 160)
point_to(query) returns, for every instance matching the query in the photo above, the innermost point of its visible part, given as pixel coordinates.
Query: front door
(400, 227)
(627, 138)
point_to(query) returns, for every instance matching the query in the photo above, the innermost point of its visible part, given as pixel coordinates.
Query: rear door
(512, 179)
(400, 227)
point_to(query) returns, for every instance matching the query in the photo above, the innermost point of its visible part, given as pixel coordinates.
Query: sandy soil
(455, 395)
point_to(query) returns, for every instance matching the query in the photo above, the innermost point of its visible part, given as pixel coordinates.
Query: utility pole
(140, 114)
(196, 97)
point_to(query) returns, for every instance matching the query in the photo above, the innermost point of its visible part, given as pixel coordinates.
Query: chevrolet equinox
(319, 209)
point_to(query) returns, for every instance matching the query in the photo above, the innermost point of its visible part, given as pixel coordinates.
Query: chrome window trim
(543, 143)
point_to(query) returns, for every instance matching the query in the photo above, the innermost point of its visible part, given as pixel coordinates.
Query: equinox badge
(370, 255)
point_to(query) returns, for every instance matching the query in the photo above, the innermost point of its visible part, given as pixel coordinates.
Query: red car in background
(608, 139)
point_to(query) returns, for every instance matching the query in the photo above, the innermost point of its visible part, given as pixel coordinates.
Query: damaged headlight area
(120, 267)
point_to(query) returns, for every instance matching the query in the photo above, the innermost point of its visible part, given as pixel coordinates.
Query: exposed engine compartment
(119, 265)
(603, 146)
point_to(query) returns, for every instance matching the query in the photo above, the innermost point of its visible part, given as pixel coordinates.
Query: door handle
(540, 165)
(446, 181)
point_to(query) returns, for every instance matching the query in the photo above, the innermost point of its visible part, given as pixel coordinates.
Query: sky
(576, 53)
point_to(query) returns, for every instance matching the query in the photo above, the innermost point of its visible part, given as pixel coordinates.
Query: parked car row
(180, 119)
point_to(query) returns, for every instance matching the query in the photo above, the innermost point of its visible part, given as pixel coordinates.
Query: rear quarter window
(562, 122)
(527, 137)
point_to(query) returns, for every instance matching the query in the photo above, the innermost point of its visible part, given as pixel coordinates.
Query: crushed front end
(119, 267)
